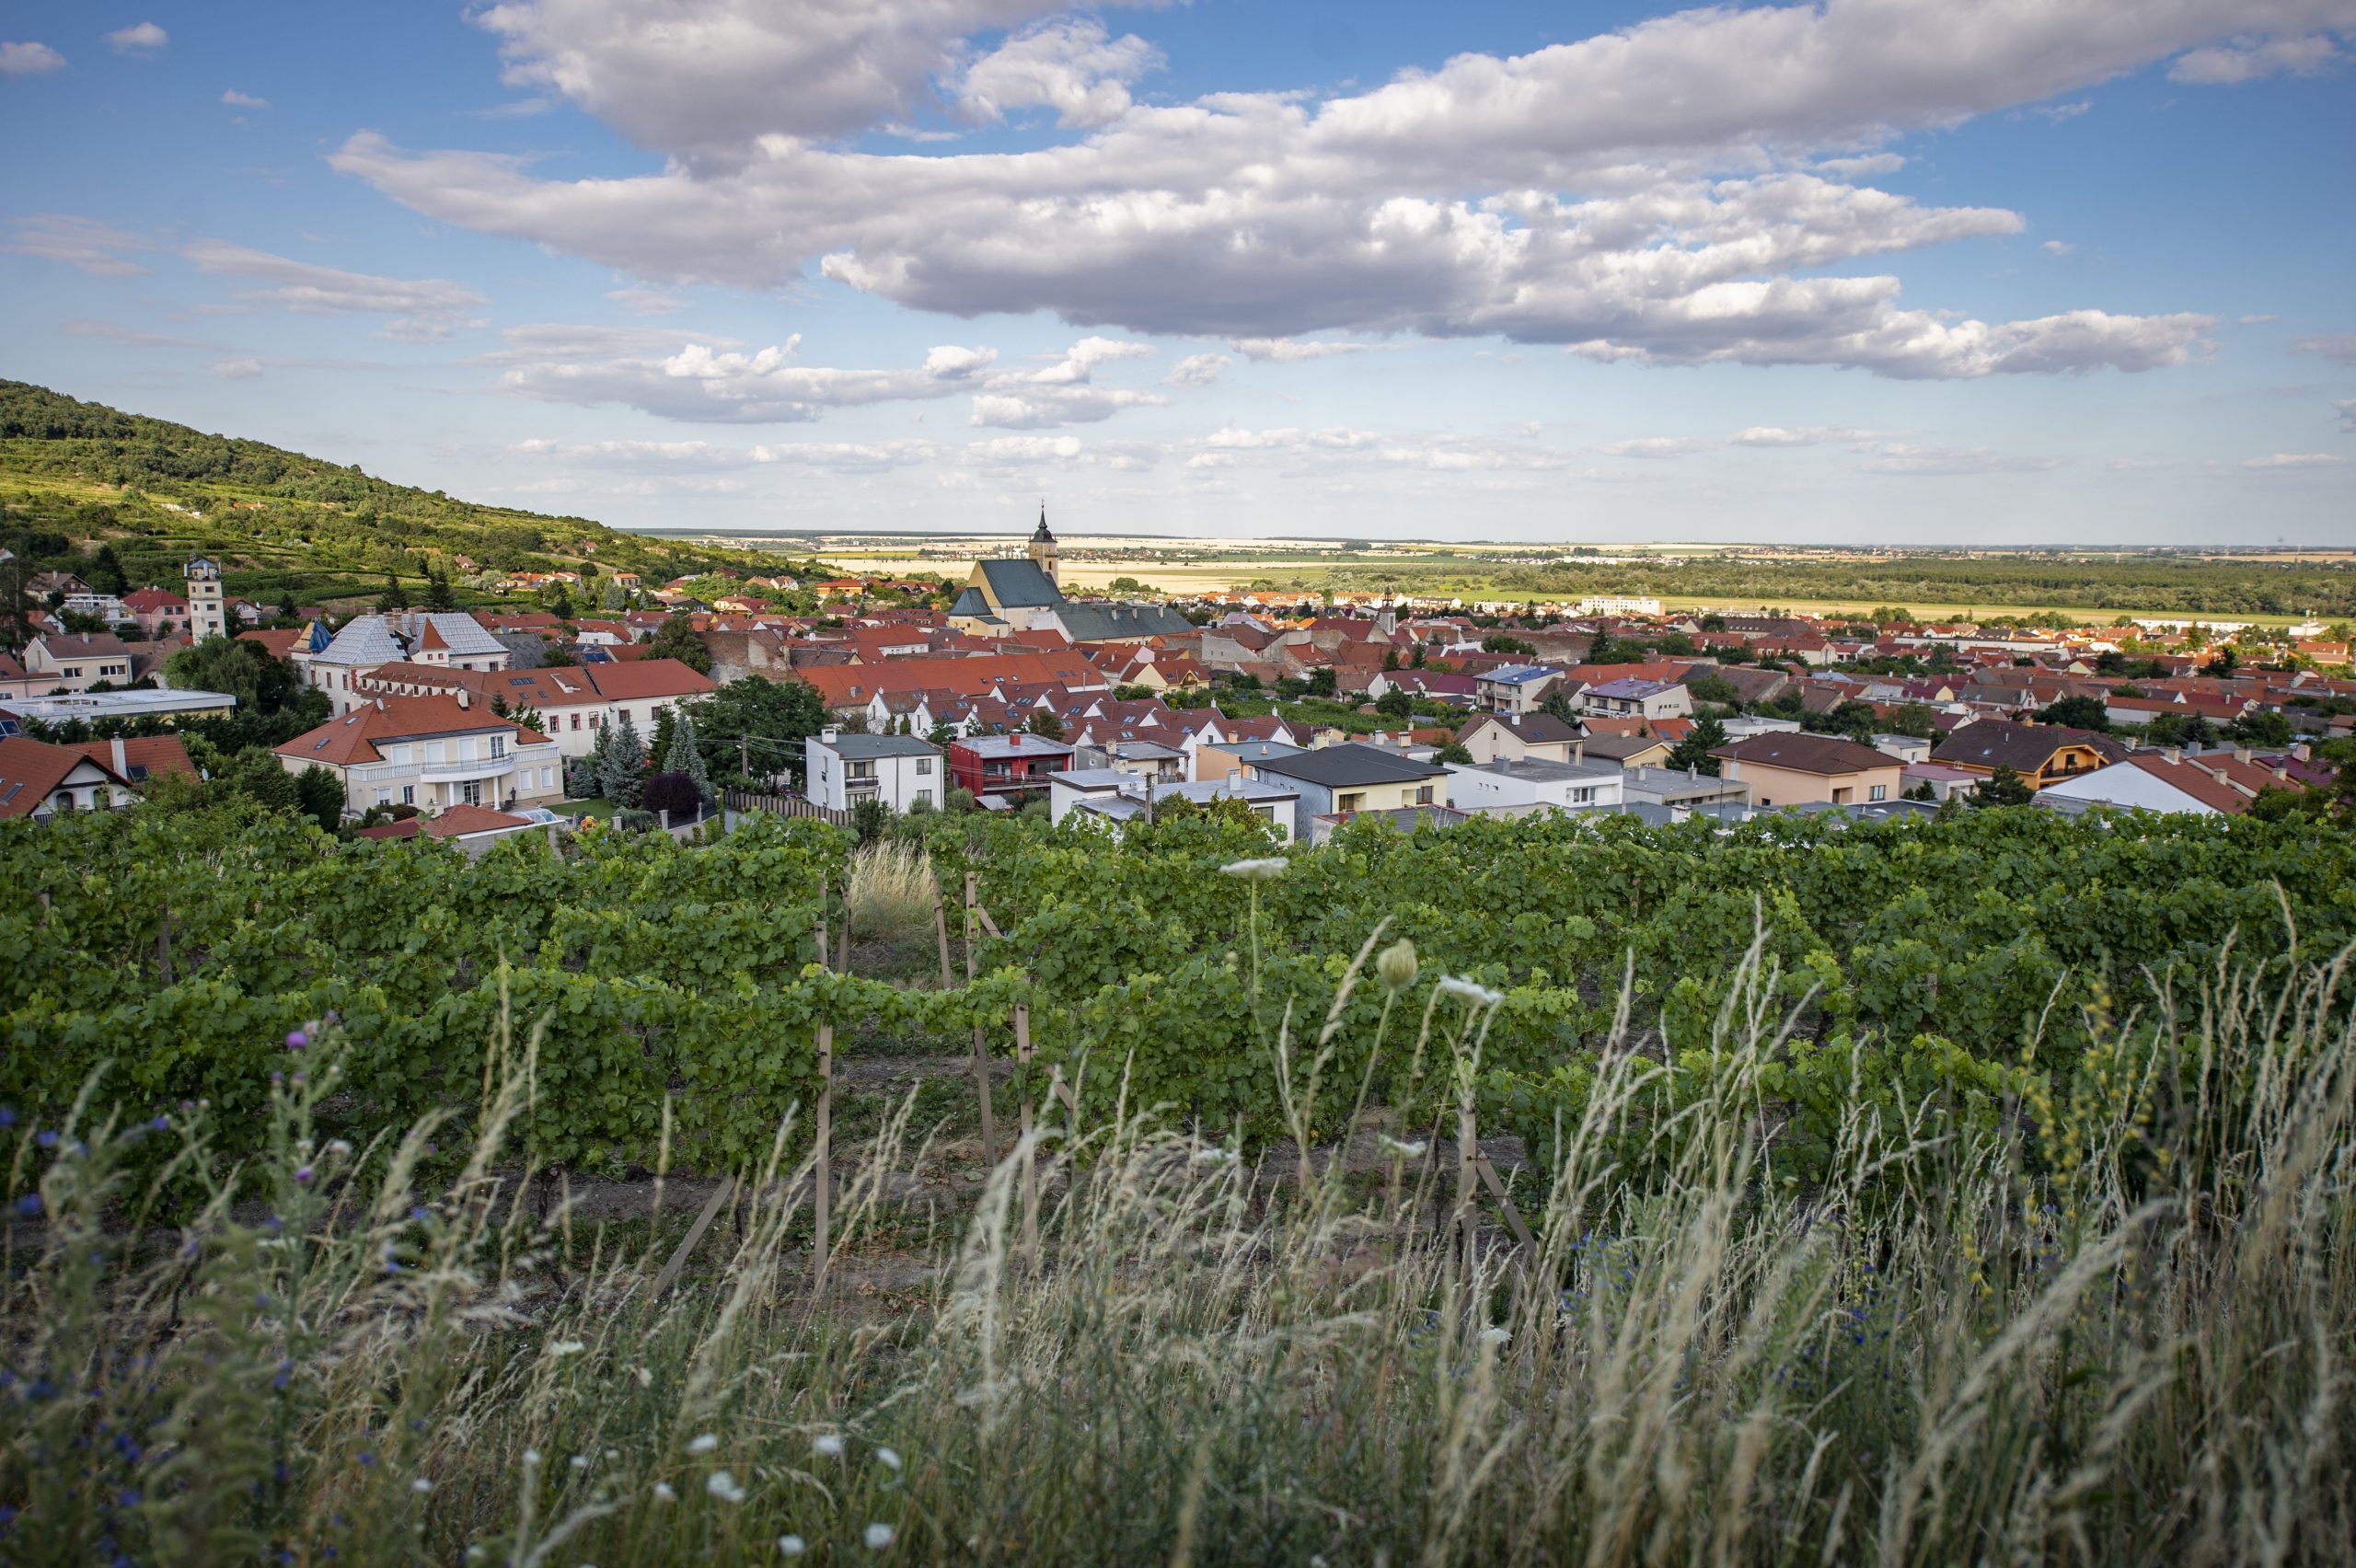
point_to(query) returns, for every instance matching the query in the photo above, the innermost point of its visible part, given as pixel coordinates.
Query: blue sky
(1902, 271)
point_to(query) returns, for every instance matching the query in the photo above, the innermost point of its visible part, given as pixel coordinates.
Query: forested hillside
(72, 474)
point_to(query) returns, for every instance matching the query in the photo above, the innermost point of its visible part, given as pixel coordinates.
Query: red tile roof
(353, 738)
(31, 770)
(143, 757)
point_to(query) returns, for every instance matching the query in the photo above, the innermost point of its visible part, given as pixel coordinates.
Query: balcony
(459, 772)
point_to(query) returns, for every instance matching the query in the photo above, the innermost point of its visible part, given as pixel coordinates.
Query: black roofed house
(1003, 596)
(1340, 781)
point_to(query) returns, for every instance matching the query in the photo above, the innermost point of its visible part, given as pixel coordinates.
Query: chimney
(830, 734)
(122, 763)
(2300, 751)
(465, 697)
(1578, 753)
(2173, 753)
(2241, 754)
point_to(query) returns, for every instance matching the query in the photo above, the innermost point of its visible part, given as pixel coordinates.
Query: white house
(442, 640)
(1532, 782)
(430, 752)
(2168, 780)
(899, 770)
(1633, 698)
(1118, 798)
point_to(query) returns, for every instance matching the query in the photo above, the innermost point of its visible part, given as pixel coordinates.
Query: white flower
(1494, 1335)
(421, 1486)
(1215, 1156)
(878, 1537)
(581, 1461)
(889, 1458)
(704, 1443)
(339, 1149)
(827, 1444)
(475, 1554)
(567, 1347)
(1480, 995)
(1403, 1150)
(791, 1545)
(1256, 870)
(531, 1458)
(722, 1485)
(663, 1493)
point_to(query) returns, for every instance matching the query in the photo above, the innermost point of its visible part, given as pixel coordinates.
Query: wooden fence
(785, 805)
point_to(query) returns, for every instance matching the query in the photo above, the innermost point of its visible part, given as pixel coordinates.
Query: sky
(1909, 272)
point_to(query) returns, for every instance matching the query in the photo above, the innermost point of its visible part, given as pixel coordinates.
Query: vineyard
(1978, 958)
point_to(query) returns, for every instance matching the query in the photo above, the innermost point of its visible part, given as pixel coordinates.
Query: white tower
(206, 615)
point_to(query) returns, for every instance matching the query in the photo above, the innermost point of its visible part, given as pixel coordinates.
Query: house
(37, 780)
(850, 689)
(1791, 770)
(901, 771)
(430, 752)
(1215, 760)
(1943, 782)
(1516, 736)
(1678, 791)
(1642, 749)
(1120, 797)
(138, 758)
(1514, 688)
(1003, 596)
(473, 828)
(154, 609)
(1532, 781)
(1141, 759)
(442, 640)
(2173, 781)
(2042, 754)
(575, 703)
(207, 613)
(1905, 748)
(1345, 780)
(93, 706)
(1002, 770)
(1634, 698)
(77, 661)
(17, 681)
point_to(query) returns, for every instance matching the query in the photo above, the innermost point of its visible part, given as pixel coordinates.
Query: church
(1004, 597)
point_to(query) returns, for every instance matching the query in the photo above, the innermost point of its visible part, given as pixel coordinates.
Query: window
(408, 794)
(576, 720)
(1880, 792)
(924, 767)
(383, 796)
(922, 799)
(498, 747)
(1424, 795)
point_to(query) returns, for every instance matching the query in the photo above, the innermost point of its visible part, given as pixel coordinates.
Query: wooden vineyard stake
(941, 931)
(722, 1193)
(1496, 1186)
(822, 920)
(1467, 1151)
(822, 1163)
(981, 1062)
(1030, 1164)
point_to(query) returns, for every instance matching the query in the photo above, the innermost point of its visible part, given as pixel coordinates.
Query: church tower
(1042, 546)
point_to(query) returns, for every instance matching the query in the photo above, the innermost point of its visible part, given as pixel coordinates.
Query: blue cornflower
(30, 1205)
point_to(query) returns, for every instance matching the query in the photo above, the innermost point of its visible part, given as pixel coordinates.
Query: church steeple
(1042, 546)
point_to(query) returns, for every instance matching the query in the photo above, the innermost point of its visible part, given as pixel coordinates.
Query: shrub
(675, 793)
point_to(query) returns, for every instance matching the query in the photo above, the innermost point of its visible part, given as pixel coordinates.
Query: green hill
(75, 476)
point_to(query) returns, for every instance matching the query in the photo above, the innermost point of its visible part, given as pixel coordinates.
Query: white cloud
(133, 337)
(2257, 320)
(237, 99)
(2058, 247)
(711, 381)
(85, 243)
(1899, 457)
(426, 309)
(2058, 112)
(1864, 167)
(2247, 59)
(2338, 347)
(1652, 446)
(237, 369)
(1197, 370)
(1431, 204)
(642, 301)
(140, 37)
(2295, 460)
(1804, 436)
(1062, 393)
(1070, 67)
(29, 60)
(1287, 350)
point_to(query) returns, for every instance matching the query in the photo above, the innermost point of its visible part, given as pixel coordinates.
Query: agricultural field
(1912, 1192)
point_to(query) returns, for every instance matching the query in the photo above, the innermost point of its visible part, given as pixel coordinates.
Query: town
(1004, 693)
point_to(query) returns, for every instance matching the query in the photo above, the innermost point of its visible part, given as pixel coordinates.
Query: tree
(1922, 791)
(681, 757)
(319, 794)
(675, 793)
(1557, 703)
(1043, 723)
(869, 818)
(258, 776)
(2004, 787)
(1322, 681)
(287, 610)
(1714, 688)
(754, 729)
(1395, 704)
(394, 597)
(613, 597)
(560, 603)
(2076, 713)
(243, 668)
(2260, 728)
(437, 591)
(556, 653)
(674, 639)
(1452, 751)
(622, 763)
(105, 574)
(1856, 719)
(1390, 658)
(1498, 642)
(1693, 752)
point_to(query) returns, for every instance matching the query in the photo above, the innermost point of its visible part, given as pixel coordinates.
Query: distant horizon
(1878, 274)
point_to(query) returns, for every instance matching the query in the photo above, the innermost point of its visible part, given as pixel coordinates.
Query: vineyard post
(1030, 1164)
(940, 933)
(822, 919)
(981, 1062)
(844, 966)
(823, 1161)
(1467, 1151)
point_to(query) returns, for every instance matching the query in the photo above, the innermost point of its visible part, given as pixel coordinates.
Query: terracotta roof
(353, 738)
(81, 644)
(31, 770)
(143, 757)
(430, 641)
(403, 827)
(840, 686)
(1826, 754)
(458, 821)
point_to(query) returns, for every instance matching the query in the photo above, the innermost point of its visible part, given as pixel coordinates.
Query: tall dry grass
(2118, 1331)
(891, 889)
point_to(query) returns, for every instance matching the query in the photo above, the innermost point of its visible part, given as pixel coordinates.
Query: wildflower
(1480, 995)
(664, 1494)
(1403, 1150)
(161, 1124)
(703, 1443)
(722, 1485)
(30, 1205)
(567, 1347)
(421, 1486)
(8, 1115)
(889, 1458)
(827, 1446)
(303, 1175)
(339, 1149)
(1215, 1156)
(366, 1458)
(1256, 871)
(296, 1039)
(791, 1546)
(46, 1138)
(581, 1461)
(1495, 1335)
(531, 1459)
(1396, 965)
(878, 1537)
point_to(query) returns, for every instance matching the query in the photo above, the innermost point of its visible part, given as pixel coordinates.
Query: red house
(1006, 766)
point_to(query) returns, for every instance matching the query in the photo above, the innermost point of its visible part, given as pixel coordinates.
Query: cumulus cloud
(1605, 194)
(1063, 393)
(642, 301)
(1286, 351)
(2338, 347)
(1197, 370)
(713, 381)
(237, 369)
(426, 309)
(29, 60)
(237, 99)
(85, 243)
(1899, 457)
(2294, 460)
(2241, 60)
(140, 37)
(1071, 67)
(2058, 247)
(1652, 446)
(1804, 435)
